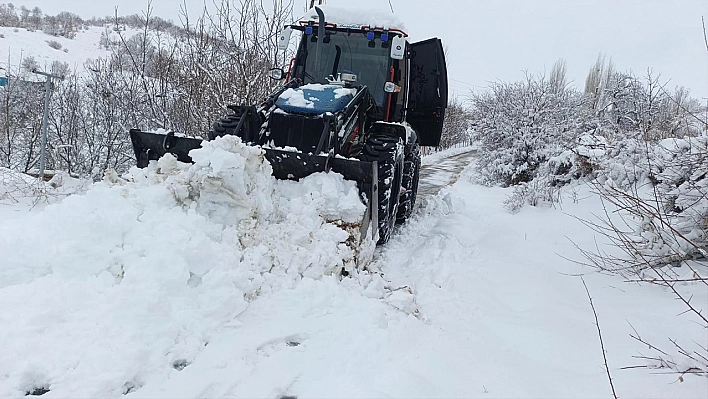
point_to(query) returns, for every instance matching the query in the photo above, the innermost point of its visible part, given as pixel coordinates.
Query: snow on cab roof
(356, 18)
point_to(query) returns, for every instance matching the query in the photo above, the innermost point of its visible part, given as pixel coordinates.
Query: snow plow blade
(287, 165)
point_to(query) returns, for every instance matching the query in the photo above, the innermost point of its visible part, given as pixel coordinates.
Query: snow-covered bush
(14, 186)
(538, 135)
(663, 199)
(678, 229)
(623, 106)
(54, 44)
(19, 187)
(521, 126)
(625, 164)
(535, 192)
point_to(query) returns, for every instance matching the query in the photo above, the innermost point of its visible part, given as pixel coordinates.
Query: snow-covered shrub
(540, 190)
(625, 164)
(623, 106)
(163, 78)
(521, 126)
(54, 44)
(679, 229)
(14, 186)
(663, 199)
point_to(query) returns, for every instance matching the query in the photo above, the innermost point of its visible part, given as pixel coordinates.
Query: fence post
(48, 90)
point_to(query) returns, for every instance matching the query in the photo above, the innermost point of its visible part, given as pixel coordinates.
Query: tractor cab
(347, 56)
(335, 59)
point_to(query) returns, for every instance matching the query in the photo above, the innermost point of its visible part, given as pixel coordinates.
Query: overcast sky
(497, 40)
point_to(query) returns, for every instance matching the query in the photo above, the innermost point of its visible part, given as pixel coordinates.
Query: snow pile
(476, 302)
(133, 278)
(18, 187)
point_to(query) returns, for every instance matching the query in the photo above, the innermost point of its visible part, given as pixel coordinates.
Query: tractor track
(435, 177)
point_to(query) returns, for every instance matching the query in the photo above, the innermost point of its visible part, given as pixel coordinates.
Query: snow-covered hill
(214, 280)
(17, 44)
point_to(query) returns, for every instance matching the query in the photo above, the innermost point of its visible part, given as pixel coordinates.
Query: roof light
(308, 30)
(370, 35)
(384, 37)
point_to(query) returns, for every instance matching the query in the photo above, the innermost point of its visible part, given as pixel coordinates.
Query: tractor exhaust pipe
(320, 34)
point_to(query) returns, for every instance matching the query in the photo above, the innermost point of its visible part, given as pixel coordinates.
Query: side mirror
(390, 87)
(277, 74)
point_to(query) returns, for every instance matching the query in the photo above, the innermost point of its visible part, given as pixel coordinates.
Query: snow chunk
(343, 92)
(296, 98)
(336, 198)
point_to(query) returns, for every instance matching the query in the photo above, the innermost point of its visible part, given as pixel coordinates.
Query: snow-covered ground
(214, 280)
(17, 44)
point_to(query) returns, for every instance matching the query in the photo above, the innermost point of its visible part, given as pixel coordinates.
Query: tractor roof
(339, 17)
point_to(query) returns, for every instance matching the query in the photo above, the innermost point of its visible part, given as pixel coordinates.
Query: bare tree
(457, 125)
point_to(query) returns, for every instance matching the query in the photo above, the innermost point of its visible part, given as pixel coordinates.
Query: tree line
(157, 77)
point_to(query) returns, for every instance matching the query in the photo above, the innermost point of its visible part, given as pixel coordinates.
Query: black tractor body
(358, 100)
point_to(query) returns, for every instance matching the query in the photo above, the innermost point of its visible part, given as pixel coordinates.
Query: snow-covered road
(434, 176)
(134, 295)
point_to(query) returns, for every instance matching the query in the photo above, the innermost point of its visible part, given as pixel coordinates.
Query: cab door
(427, 93)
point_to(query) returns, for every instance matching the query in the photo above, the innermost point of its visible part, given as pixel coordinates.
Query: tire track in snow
(442, 174)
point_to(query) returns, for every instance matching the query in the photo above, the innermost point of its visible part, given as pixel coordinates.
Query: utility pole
(47, 93)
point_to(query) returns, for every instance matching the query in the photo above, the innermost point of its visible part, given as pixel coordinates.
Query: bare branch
(705, 37)
(599, 333)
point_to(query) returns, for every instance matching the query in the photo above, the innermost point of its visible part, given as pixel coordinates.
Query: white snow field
(17, 44)
(215, 280)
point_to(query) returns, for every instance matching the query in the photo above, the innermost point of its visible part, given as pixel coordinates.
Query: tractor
(357, 99)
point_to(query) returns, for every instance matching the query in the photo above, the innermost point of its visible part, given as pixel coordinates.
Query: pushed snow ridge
(142, 269)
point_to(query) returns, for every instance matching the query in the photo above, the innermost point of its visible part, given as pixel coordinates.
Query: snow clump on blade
(280, 227)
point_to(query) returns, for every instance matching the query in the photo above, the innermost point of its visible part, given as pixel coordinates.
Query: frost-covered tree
(522, 125)
(20, 121)
(623, 106)
(8, 15)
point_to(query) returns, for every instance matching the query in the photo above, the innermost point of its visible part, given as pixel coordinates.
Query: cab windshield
(349, 53)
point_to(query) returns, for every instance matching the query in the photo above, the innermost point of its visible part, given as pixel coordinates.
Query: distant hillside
(19, 46)
(30, 38)
(67, 24)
